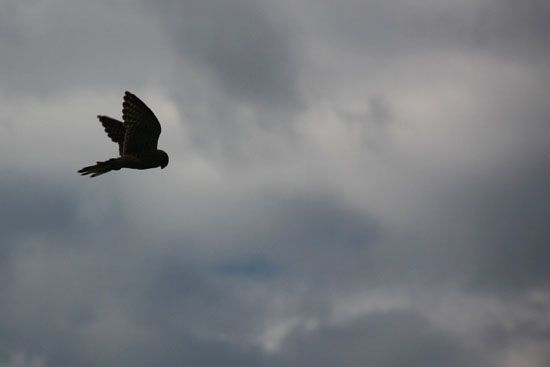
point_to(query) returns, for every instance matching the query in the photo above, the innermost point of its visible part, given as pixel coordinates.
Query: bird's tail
(100, 168)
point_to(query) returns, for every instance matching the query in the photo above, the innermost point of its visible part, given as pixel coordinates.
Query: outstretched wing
(142, 127)
(114, 129)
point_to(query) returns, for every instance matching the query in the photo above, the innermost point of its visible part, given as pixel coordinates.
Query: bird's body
(136, 137)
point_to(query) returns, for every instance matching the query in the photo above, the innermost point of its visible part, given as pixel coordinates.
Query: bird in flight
(137, 139)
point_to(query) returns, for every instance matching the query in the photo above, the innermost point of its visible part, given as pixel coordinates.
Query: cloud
(54, 46)
(516, 30)
(382, 339)
(354, 182)
(513, 237)
(28, 208)
(245, 46)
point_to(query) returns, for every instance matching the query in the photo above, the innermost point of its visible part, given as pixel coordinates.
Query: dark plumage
(137, 139)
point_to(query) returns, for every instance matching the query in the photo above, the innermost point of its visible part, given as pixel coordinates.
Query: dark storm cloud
(259, 237)
(244, 45)
(490, 234)
(525, 331)
(510, 216)
(321, 222)
(114, 301)
(178, 298)
(290, 233)
(36, 206)
(73, 342)
(517, 29)
(29, 209)
(385, 339)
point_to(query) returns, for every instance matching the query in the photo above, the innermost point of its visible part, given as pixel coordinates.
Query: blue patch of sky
(255, 267)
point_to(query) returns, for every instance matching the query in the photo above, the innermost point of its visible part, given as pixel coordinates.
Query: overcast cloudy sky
(351, 183)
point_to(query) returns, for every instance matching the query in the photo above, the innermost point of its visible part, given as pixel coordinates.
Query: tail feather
(101, 168)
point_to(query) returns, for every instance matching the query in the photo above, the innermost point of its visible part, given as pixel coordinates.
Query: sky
(351, 183)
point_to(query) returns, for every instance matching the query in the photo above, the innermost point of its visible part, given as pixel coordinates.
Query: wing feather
(115, 130)
(142, 126)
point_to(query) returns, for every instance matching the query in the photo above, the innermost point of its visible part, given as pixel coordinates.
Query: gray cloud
(512, 230)
(513, 29)
(53, 46)
(97, 299)
(383, 339)
(28, 207)
(350, 183)
(244, 45)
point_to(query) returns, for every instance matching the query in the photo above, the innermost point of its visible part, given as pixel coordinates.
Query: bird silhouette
(137, 139)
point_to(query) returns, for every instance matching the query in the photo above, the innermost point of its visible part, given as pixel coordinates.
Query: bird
(137, 137)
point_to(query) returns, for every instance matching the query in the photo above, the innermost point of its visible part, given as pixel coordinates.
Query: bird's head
(163, 158)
